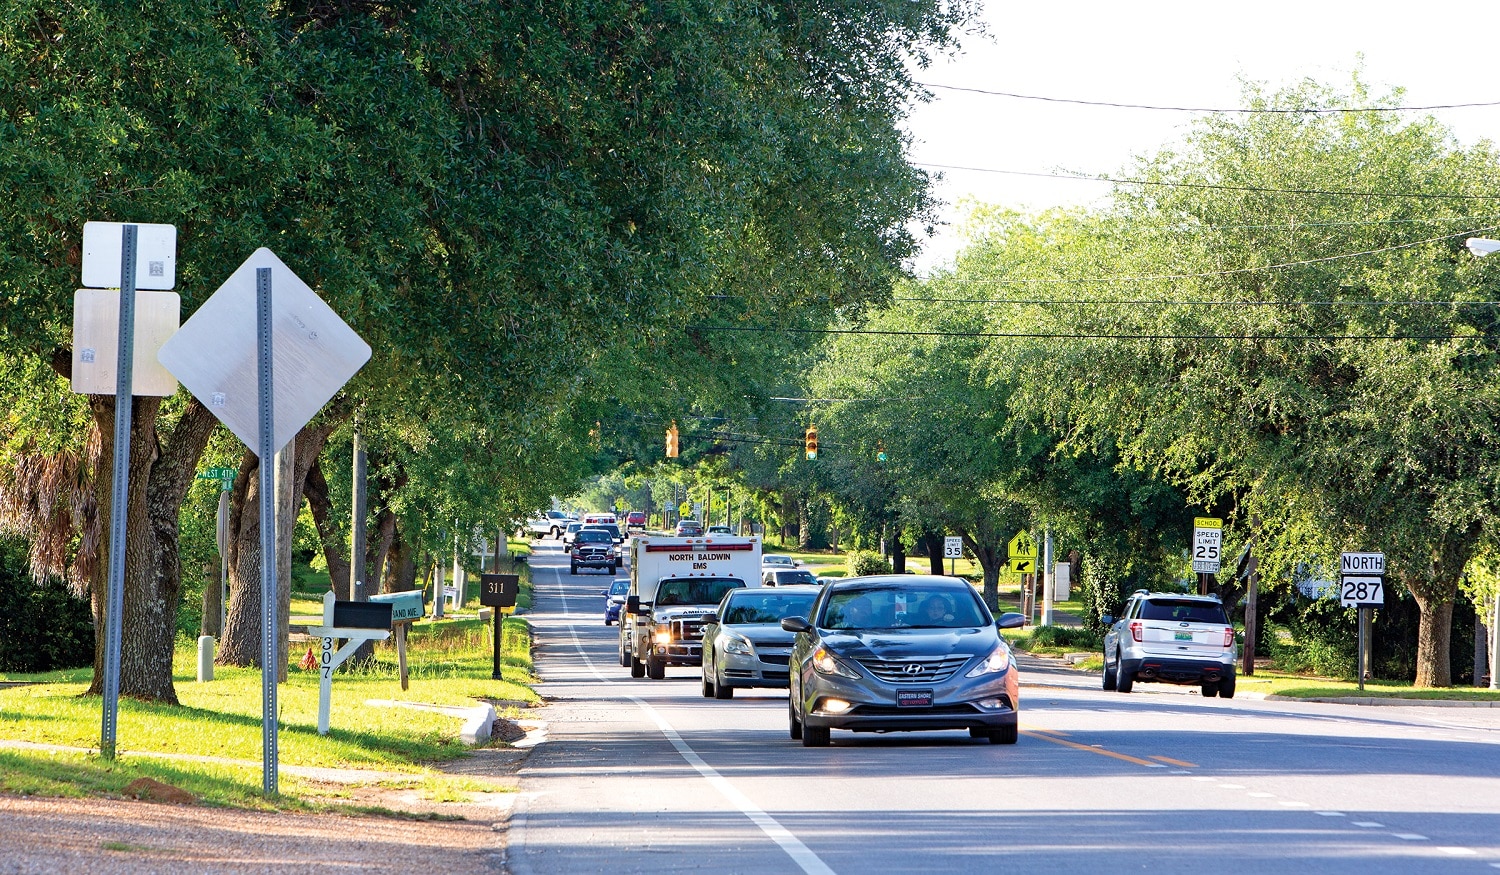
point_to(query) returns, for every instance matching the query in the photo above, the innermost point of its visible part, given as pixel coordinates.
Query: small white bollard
(205, 658)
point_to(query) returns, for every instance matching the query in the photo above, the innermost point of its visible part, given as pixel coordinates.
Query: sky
(1174, 54)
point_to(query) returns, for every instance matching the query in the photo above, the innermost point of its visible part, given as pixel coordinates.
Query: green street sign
(225, 476)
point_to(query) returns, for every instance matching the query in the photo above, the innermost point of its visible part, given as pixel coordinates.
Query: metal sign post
(119, 495)
(498, 591)
(266, 451)
(1362, 586)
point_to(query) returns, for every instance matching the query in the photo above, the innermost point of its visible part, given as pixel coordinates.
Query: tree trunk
(804, 524)
(990, 562)
(402, 576)
(1434, 634)
(933, 543)
(332, 540)
(242, 635)
(898, 554)
(386, 528)
(161, 470)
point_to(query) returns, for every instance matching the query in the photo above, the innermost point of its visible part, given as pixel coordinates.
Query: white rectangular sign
(1208, 536)
(155, 255)
(1362, 563)
(1361, 590)
(953, 548)
(96, 341)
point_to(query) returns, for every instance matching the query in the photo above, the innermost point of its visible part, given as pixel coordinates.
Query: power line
(1081, 177)
(1021, 335)
(1168, 303)
(1241, 109)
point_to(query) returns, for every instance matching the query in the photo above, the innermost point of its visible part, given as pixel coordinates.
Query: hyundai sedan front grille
(914, 671)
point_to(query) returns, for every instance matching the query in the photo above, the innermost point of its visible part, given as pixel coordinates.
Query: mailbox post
(356, 621)
(498, 591)
(406, 608)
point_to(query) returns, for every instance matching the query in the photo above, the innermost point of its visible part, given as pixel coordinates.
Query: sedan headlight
(824, 662)
(736, 644)
(997, 661)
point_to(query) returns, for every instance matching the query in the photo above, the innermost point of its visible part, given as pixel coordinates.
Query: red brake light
(1228, 636)
(1135, 630)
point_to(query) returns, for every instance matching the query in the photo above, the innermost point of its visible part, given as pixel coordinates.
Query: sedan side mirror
(796, 624)
(1010, 620)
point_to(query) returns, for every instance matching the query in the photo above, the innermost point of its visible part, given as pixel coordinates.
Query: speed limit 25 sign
(1208, 539)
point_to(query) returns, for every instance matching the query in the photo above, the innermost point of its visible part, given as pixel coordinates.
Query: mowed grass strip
(450, 664)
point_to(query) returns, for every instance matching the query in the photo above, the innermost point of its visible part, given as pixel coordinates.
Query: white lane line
(1460, 852)
(1262, 795)
(1233, 786)
(801, 854)
(1329, 813)
(1368, 824)
(1410, 836)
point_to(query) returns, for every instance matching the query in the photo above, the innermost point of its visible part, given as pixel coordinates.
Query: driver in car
(935, 610)
(857, 614)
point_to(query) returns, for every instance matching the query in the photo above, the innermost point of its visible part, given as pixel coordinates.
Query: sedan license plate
(1184, 636)
(914, 698)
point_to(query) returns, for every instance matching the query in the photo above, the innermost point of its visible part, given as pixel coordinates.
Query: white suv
(1170, 638)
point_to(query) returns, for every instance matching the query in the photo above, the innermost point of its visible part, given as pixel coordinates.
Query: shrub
(1066, 636)
(862, 562)
(42, 628)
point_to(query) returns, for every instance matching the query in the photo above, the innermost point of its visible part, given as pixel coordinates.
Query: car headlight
(824, 662)
(662, 635)
(997, 661)
(736, 644)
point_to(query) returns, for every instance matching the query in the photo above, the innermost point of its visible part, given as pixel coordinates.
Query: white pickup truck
(673, 583)
(548, 525)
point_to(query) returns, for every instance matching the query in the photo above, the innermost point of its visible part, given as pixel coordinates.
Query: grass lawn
(450, 663)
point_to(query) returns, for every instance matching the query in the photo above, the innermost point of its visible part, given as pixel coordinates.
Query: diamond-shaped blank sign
(314, 353)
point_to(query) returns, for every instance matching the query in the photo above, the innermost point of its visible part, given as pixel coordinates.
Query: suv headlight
(997, 661)
(824, 662)
(736, 644)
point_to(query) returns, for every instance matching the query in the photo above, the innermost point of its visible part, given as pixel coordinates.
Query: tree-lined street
(641, 776)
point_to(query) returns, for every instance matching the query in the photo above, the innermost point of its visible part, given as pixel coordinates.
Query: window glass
(1183, 611)
(757, 606)
(696, 591)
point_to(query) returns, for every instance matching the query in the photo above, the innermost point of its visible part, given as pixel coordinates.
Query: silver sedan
(744, 644)
(902, 652)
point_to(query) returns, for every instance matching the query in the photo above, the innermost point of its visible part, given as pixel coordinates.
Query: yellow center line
(1098, 750)
(1171, 762)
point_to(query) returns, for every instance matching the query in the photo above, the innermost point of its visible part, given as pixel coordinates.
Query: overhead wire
(1242, 109)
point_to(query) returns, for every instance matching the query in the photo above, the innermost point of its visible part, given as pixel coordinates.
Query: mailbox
(405, 606)
(361, 615)
(499, 590)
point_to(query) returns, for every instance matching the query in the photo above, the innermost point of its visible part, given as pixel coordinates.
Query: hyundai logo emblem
(912, 668)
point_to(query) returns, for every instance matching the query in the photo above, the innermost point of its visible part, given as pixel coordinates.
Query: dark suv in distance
(593, 548)
(1170, 638)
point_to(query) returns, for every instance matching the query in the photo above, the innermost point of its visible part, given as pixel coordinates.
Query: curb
(1371, 700)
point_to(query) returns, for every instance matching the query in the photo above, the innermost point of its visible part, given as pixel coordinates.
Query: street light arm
(1481, 246)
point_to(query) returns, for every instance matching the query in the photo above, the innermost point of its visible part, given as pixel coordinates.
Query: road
(643, 776)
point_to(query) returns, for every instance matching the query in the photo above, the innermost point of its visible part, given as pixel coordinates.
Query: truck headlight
(662, 635)
(997, 661)
(736, 644)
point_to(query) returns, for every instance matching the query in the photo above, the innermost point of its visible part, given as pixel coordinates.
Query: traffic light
(672, 440)
(812, 442)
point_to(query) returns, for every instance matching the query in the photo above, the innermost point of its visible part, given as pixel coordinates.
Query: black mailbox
(499, 590)
(362, 615)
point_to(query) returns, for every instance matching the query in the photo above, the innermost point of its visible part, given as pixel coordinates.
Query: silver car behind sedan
(744, 644)
(902, 653)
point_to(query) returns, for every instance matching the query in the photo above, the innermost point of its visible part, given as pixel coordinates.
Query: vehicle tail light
(1136, 630)
(1228, 636)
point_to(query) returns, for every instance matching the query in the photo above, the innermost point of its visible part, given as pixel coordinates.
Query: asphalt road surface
(648, 776)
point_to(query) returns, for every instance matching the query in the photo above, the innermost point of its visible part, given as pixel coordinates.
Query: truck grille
(687, 630)
(927, 671)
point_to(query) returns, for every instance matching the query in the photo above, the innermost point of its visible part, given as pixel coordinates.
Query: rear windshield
(764, 606)
(697, 591)
(1183, 611)
(789, 577)
(590, 535)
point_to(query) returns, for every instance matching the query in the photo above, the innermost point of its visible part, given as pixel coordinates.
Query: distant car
(689, 529)
(614, 599)
(720, 530)
(778, 560)
(548, 524)
(569, 533)
(1170, 638)
(636, 519)
(593, 548)
(744, 644)
(898, 652)
(787, 577)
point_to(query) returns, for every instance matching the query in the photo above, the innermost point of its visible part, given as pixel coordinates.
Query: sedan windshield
(760, 606)
(887, 608)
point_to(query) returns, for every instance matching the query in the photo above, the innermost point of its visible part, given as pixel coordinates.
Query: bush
(1066, 636)
(42, 628)
(861, 562)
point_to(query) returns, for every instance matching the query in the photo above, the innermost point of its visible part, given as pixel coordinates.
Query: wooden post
(1252, 588)
(401, 653)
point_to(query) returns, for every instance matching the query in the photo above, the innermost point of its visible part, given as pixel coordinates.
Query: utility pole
(1252, 588)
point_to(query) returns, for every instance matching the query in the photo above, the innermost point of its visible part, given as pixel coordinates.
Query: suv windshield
(759, 606)
(592, 536)
(1183, 611)
(696, 591)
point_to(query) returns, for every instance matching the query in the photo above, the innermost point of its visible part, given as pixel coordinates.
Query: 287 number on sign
(1361, 591)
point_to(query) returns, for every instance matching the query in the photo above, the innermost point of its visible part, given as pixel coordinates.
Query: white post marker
(1208, 538)
(1047, 579)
